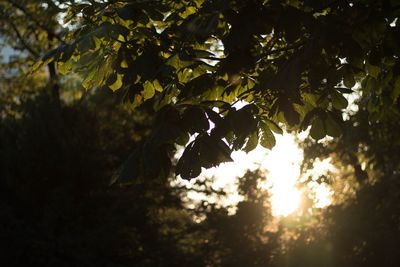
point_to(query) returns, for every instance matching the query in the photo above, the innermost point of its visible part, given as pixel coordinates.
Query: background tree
(30, 28)
(361, 229)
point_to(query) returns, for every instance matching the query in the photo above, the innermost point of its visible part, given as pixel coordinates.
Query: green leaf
(338, 100)
(117, 84)
(202, 53)
(46, 59)
(128, 12)
(64, 67)
(311, 99)
(291, 116)
(252, 141)
(194, 119)
(238, 142)
(317, 129)
(369, 84)
(213, 151)
(267, 137)
(242, 120)
(183, 139)
(349, 80)
(206, 151)
(274, 126)
(373, 70)
(224, 150)
(86, 43)
(188, 165)
(148, 90)
(332, 127)
(88, 83)
(155, 14)
(214, 116)
(157, 86)
(308, 117)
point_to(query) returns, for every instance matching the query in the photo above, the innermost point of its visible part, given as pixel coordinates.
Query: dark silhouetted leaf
(317, 130)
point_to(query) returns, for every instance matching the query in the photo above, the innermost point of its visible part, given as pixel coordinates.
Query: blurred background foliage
(60, 145)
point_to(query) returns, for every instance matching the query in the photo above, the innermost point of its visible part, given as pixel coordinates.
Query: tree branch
(283, 49)
(49, 31)
(22, 40)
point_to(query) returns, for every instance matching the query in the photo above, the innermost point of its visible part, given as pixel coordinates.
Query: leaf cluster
(292, 61)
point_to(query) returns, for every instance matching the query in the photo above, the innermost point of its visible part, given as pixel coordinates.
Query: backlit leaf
(148, 90)
(267, 137)
(117, 84)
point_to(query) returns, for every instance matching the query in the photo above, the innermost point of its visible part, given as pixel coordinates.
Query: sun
(285, 200)
(282, 165)
(283, 171)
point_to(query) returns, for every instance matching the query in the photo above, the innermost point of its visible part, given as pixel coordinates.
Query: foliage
(361, 230)
(293, 62)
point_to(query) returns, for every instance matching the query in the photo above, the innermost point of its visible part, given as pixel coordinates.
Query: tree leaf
(274, 126)
(252, 141)
(373, 70)
(317, 130)
(267, 137)
(339, 101)
(349, 80)
(188, 165)
(157, 86)
(213, 151)
(117, 84)
(148, 90)
(194, 119)
(332, 127)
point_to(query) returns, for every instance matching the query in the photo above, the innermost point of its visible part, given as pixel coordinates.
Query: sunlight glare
(282, 166)
(285, 200)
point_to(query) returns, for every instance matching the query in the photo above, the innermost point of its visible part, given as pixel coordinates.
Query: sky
(5, 51)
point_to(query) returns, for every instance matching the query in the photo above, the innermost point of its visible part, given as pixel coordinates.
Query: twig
(22, 40)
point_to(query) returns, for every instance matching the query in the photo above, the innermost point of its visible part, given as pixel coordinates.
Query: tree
(362, 230)
(191, 61)
(30, 28)
(292, 62)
